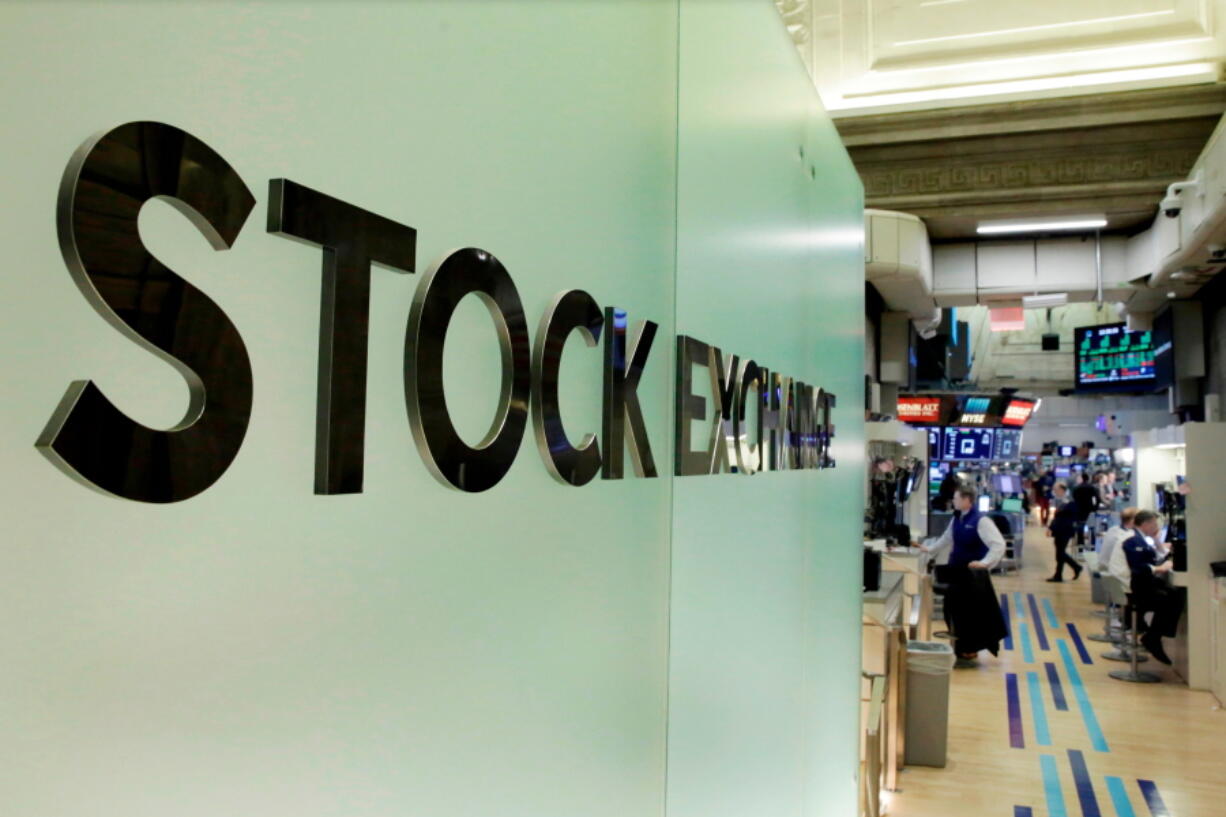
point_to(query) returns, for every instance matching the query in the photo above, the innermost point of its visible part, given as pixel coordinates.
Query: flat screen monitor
(1063, 472)
(921, 410)
(985, 504)
(1012, 504)
(1111, 358)
(1067, 451)
(934, 444)
(1007, 483)
(967, 443)
(1007, 445)
(1017, 412)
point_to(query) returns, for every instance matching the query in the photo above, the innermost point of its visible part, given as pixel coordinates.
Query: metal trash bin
(929, 664)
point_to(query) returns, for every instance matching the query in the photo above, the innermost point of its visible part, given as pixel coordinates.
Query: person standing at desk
(1085, 496)
(976, 546)
(1063, 526)
(1149, 567)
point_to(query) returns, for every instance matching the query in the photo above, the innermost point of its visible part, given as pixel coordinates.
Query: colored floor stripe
(1119, 796)
(1016, 739)
(1085, 786)
(1153, 799)
(1042, 735)
(1057, 688)
(1097, 740)
(1023, 634)
(1021, 608)
(1051, 786)
(1023, 811)
(1052, 621)
(1004, 611)
(1081, 645)
(1037, 620)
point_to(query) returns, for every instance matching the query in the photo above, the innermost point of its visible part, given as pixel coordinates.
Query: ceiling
(1105, 154)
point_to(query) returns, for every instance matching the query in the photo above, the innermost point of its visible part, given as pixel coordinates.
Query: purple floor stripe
(1079, 644)
(1004, 611)
(1023, 811)
(1057, 688)
(1016, 738)
(1156, 807)
(1038, 624)
(1085, 786)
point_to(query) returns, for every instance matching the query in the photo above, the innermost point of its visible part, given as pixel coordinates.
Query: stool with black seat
(1132, 674)
(1117, 594)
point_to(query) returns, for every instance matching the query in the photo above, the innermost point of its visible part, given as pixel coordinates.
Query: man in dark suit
(1150, 592)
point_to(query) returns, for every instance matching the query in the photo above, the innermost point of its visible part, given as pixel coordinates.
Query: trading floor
(1042, 731)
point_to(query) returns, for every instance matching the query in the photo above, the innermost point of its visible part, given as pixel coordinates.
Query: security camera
(1172, 203)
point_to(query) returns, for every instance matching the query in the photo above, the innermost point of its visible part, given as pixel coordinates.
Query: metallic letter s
(106, 183)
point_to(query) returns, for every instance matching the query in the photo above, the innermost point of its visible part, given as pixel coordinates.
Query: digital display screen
(1011, 505)
(967, 443)
(934, 444)
(920, 410)
(975, 411)
(1110, 358)
(1008, 445)
(1007, 483)
(936, 475)
(1067, 451)
(1017, 412)
(1063, 472)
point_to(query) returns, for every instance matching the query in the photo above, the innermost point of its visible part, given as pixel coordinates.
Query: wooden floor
(1161, 748)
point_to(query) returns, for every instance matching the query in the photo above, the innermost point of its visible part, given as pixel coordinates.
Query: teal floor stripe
(1119, 796)
(1051, 785)
(1021, 608)
(1042, 734)
(1052, 621)
(1097, 739)
(1023, 635)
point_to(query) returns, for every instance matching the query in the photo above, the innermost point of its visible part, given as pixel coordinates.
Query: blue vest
(968, 547)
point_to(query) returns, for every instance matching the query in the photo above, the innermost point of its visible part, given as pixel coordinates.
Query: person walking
(1063, 527)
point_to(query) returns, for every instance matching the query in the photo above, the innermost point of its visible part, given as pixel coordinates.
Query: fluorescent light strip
(1194, 71)
(1041, 226)
(1097, 21)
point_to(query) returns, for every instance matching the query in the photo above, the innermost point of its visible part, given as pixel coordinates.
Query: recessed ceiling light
(1041, 225)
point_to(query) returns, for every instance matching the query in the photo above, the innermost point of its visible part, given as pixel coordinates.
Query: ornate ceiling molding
(1110, 153)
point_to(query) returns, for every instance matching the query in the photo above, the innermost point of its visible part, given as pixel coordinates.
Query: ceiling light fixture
(1047, 301)
(1041, 226)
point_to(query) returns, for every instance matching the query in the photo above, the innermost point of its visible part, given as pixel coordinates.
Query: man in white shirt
(1110, 542)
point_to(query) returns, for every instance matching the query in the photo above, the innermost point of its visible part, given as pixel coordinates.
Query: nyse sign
(760, 420)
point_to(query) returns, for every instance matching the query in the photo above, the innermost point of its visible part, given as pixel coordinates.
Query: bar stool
(1132, 674)
(1113, 630)
(1124, 651)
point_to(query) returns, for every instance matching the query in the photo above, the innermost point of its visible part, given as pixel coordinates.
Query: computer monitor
(985, 504)
(1067, 451)
(1007, 483)
(1012, 504)
(1063, 472)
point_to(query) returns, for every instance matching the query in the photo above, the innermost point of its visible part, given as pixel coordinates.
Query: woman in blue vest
(975, 546)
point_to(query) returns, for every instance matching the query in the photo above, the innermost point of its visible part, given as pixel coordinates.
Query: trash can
(929, 664)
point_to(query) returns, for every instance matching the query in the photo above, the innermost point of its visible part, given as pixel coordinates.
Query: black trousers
(1166, 603)
(1061, 538)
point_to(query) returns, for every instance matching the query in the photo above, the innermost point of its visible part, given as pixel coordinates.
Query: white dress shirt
(988, 533)
(1111, 540)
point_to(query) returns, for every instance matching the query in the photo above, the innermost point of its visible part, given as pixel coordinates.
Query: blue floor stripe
(1023, 811)
(1153, 799)
(1119, 796)
(1023, 634)
(1085, 785)
(1081, 645)
(1052, 621)
(1017, 739)
(1051, 786)
(1004, 611)
(1042, 735)
(1021, 608)
(1097, 740)
(1039, 632)
(1057, 688)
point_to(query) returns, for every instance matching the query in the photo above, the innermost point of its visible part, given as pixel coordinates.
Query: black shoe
(1056, 579)
(1152, 642)
(1076, 573)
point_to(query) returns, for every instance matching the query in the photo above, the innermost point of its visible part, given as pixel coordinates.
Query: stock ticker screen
(968, 443)
(1007, 445)
(1110, 358)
